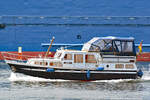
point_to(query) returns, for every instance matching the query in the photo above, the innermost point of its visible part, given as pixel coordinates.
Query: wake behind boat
(101, 58)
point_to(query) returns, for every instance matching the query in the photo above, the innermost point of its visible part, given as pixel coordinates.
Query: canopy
(110, 44)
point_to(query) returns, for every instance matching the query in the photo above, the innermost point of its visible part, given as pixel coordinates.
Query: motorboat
(101, 58)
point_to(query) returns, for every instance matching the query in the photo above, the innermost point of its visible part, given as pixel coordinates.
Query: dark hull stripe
(73, 75)
(44, 68)
(76, 76)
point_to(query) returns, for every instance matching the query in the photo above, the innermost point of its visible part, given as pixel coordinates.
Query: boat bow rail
(17, 57)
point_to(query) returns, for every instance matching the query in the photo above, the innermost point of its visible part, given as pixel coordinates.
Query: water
(30, 23)
(75, 7)
(17, 86)
(30, 32)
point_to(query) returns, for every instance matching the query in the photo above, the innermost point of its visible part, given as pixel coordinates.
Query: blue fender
(50, 70)
(100, 68)
(88, 74)
(140, 73)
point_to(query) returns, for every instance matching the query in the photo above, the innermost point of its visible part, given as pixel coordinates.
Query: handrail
(15, 56)
(18, 55)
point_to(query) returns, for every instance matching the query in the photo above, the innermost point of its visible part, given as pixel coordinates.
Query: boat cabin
(69, 58)
(77, 58)
(104, 52)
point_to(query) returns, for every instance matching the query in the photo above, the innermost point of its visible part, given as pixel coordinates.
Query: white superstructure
(111, 53)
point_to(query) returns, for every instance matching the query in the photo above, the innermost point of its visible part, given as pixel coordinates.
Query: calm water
(21, 87)
(30, 23)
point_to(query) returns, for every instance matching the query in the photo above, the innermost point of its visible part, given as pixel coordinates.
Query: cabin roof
(115, 38)
(73, 51)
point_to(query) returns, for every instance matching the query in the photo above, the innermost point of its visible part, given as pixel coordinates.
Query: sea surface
(21, 87)
(30, 23)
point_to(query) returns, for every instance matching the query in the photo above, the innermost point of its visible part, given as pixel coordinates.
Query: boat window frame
(91, 61)
(119, 51)
(119, 66)
(77, 61)
(129, 66)
(69, 57)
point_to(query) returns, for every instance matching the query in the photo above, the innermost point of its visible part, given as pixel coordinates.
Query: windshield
(111, 46)
(118, 47)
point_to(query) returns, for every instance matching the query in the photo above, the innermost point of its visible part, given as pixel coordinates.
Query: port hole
(107, 66)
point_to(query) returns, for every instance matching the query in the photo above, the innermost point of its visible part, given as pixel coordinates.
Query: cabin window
(90, 59)
(129, 66)
(127, 46)
(68, 57)
(45, 63)
(40, 63)
(57, 64)
(106, 46)
(119, 66)
(51, 63)
(117, 46)
(36, 62)
(78, 58)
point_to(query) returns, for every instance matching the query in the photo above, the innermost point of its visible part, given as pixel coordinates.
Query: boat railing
(17, 56)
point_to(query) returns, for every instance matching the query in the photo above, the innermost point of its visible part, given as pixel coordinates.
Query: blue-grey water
(30, 23)
(20, 87)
